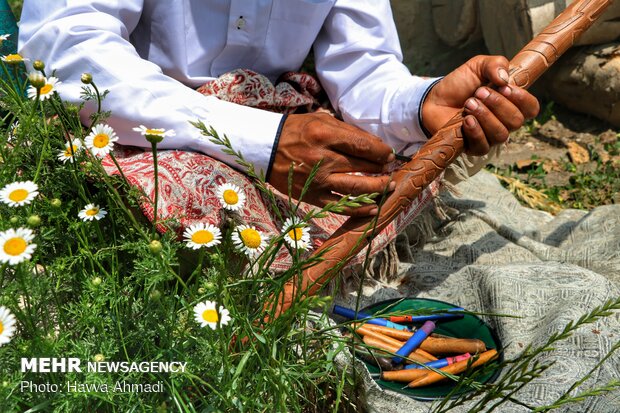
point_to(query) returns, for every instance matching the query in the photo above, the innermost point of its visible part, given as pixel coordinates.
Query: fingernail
(470, 121)
(505, 90)
(374, 211)
(391, 157)
(471, 104)
(482, 93)
(503, 74)
(392, 186)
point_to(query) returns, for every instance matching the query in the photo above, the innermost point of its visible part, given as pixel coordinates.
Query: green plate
(470, 326)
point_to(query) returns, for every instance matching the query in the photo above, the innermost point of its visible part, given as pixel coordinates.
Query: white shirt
(150, 54)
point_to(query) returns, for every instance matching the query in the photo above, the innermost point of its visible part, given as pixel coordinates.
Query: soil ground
(572, 158)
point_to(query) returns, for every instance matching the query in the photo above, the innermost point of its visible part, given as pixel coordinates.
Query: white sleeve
(76, 36)
(359, 62)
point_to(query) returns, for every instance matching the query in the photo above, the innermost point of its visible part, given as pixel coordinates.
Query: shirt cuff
(405, 120)
(253, 132)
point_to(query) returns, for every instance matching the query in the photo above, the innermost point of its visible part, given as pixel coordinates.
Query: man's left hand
(490, 112)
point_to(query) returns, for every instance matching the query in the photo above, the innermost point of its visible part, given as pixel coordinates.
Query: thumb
(492, 68)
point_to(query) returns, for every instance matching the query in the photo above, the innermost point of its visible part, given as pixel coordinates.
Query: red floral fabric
(188, 180)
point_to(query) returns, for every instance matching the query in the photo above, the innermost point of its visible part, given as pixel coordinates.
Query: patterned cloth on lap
(188, 180)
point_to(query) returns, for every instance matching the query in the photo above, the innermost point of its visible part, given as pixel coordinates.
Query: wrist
(425, 112)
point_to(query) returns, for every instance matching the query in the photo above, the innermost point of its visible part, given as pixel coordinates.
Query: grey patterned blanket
(495, 256)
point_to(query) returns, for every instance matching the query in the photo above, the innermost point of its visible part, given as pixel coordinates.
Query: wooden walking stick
(435, 156)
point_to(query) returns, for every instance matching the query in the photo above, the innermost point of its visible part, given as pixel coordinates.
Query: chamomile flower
(230, 196)
(16, 245)
(92, 211)
(46, 91)
(296, 234)
(248, 240)
(156, 135)
(7, 325)
(3, 38)
(202, 235)
(13, 59)
(101, 140)
(207, 315)
(13, 129)
(70, 151)
(19, 193)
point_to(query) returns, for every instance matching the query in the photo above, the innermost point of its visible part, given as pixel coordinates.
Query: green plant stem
(20, 88)
(98, 112)
(46, 142)
(156, 200)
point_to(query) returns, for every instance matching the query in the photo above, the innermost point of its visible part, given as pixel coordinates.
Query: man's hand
(309, 138)
(490, 113)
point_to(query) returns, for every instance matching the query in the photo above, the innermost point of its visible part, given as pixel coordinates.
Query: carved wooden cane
(435, 156)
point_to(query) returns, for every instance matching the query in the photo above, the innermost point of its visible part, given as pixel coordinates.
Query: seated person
(152, 55)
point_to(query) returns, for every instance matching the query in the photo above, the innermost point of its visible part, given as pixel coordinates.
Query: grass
(585, 186)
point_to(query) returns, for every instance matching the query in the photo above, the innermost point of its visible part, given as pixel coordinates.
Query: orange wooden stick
(426, 354)
(404, 375)
(432, 377)
(371, 341)
(364, 331)
(438, 346)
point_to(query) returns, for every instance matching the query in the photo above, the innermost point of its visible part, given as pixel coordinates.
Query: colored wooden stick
(437, 346)
(432, 377)
(373, 342)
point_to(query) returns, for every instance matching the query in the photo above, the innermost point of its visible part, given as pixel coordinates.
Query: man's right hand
(309, 138)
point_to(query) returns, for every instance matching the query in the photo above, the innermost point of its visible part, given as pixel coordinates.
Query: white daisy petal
(296, 234)
(155, 132)
(14, 59)
(231, 197)
(205, 314)
(7, 325)
(224, 316)
(101, 140)
(16, 245)
(51, 86)
(91, 212)
(202, 235)
(249, 240)
(19, 193)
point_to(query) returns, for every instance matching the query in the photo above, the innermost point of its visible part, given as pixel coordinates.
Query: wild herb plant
(94, 281)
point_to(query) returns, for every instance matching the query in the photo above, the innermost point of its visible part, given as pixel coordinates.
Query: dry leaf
(577, 153)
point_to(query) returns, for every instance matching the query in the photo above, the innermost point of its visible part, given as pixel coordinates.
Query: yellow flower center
(18, 195)
(15, 246)
(210, 316)
(153, 132)
(251, 238)
(13, 58)
(68, 151)
(202, 236)
(46, 89)
(92, 212)
(230, 197)
(1, 327)
(101, 140)
(296, 234)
